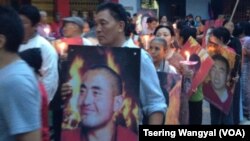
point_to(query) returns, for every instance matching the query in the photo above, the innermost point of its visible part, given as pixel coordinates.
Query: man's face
(96, 100)
(153, 25)
(215, 40)
(107, 28)
(29, 30)
(230, 27)
(70, 29)
(218, 75)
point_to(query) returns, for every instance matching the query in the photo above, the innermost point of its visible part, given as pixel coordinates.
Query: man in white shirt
(30, 17)
(111, 29)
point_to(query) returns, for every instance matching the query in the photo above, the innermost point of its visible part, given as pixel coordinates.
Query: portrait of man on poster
(99, 99)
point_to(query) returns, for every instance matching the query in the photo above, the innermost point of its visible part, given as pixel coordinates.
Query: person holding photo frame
(112, 31)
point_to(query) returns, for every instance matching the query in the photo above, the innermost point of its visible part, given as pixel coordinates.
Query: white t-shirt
(49, 70)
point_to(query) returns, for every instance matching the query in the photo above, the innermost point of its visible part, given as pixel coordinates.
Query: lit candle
(62, 47)
(187, 61)
(188, 55)
(146, 39)
(47, 31)
(174, 25)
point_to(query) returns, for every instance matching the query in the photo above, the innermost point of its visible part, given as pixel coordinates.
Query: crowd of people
(30, 83)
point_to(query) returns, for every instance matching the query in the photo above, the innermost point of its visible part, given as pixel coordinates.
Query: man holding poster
(100, 98)
(111, 29)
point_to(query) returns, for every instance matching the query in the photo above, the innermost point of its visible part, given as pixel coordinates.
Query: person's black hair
(238, 30)
(33, 58)
(221, 58)
(116, 76)
(118, 12)
(170, 28)
(12, 28)
(135, 14)
(151, 19)
(190, 16)
(31, 12)
(181, 24)
(221, 33)
(129, 19)
(132, 28)
(128, 14)
(195, 57)
(186, 32)
(203, 22)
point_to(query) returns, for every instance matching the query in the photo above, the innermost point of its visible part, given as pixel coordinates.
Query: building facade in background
(207, 9)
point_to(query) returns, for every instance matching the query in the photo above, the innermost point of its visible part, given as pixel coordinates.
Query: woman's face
(164, 19)
(157, 51)
(198, 19)
(165, 33)
(86, 27)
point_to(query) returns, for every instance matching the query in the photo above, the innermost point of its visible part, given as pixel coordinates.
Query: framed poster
(103, 100)
(218, 77)
(201, 56)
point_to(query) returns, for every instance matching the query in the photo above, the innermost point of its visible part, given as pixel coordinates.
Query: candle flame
(46, 30)
(62, 47)
(174, 26)
(187, 55)
(146, 40)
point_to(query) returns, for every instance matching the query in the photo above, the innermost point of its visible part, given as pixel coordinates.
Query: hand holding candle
(188, 71)
(185, 87)
(187, 61)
